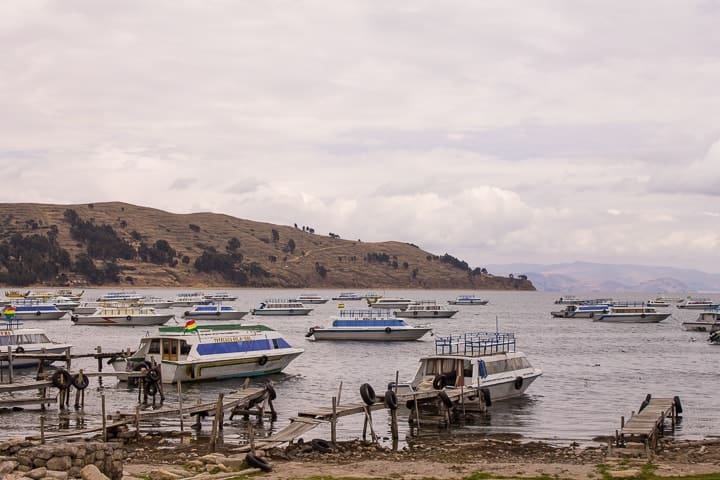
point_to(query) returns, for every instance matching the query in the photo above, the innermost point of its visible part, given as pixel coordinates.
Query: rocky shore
(156, 457)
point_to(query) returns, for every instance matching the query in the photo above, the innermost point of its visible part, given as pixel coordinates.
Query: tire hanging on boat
(128, 318)
(20, 349)
(439, 382)
(388, 330)
(518, 383)
(486, 397)
(367, 394)
(263, 360)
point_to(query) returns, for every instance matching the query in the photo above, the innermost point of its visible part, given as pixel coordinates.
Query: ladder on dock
(645, 427)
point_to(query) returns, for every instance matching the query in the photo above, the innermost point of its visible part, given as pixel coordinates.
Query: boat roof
(475, 344)
(217, 328)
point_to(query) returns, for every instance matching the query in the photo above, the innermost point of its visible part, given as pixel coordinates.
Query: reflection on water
(593, 372)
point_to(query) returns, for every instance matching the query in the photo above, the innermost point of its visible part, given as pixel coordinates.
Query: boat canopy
(475, 344)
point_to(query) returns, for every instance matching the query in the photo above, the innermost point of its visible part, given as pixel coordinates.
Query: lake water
(593, 372)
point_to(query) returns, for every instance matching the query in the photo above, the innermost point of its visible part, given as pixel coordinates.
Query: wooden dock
(645, 427)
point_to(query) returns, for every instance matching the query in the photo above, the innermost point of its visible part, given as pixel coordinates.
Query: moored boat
(706, 321)
(31, 310)
(124, 296)
(391, 303)
(467, 300)
(311, 298)
(28, 341)
(486, 362)
(211, 352)
(220, 297)
(368, 325)
(127, 316)
(426, 309)
(188, 299)
(214, 312)
(581, 311)
(347, 297)
(281, 307)
(631, 314)
(697, 304)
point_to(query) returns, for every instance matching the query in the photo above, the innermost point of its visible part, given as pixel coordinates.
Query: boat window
(184, 347)
(154, 346)
(467, 368)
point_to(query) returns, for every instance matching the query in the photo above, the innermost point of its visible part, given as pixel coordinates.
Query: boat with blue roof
(368, 325)
(467, 300)
(581, 311)
(32, 310)
(210, 352)
(281, 307)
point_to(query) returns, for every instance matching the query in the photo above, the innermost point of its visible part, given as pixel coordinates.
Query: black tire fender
(388, 330)
(322, 446)
(151, 388)
(19, 349)
(74, 318)
(37, 314)
(139, 366)
(187, 313)
(445, 398)
(257, 462)
(391, 400)
(439, 382)
(217, 314)
(367, 394)
(154, 374)
(128, 318)
(81, 383)
(272, 394)
(61, 379)
(414, 314)
(310, 332)
(518, 383)
(262, 360)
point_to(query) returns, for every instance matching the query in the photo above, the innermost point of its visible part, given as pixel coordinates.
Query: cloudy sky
(497, 131)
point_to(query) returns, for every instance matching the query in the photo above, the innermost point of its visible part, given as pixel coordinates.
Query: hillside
(163, 249)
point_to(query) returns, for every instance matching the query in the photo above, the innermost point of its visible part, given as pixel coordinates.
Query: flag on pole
(190, 326)
(9, 312)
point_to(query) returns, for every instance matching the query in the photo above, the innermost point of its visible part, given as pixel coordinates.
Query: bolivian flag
(9, 312)
(190, 326)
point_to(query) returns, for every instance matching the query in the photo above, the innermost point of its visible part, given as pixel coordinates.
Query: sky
(497, 131)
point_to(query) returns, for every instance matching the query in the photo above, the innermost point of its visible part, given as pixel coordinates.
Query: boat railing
(475, 344)
(11, 324)
(364, 314)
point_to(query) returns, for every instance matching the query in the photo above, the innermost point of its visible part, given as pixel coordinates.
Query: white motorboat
(707, 321)
(391, 303)
(28, 341)
(214, 312)
(218, 297)
(123, 296)
(573, 300)
(210, 352)
(486, 362)
(426, 309)
(126, 316)
(188, 299)
(30, 310)
(368, 325)
(581, 311)
(698, 304)
(467, 300)
(311, 298)
(154, 302)
(631, 314)
(281, 307)
(347, 297)
(657, 303)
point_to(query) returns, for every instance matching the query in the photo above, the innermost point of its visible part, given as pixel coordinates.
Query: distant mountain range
(598, 277)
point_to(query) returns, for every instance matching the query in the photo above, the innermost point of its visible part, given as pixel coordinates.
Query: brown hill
(316, 261)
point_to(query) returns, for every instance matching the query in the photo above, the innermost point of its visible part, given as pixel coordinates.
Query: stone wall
(20, 458)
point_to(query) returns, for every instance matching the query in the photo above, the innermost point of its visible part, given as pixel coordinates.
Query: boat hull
(215, 315)
(426, 314)
(370, 335)
(19, 362)
(701, 326)
(640, 318)
(125, 321)
(40, 315)
(474, 302)
(281, 311)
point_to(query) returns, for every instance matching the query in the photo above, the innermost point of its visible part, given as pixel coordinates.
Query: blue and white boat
(368, 325)
(214, 312)
(125, 297)
(211, 352)
(468, 300)
(581, 311)
(37, 311)
(281, 307)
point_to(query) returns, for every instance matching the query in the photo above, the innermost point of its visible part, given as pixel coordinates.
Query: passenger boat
(123, 315)
(426, 309)
(486, 362)
(707, 321)
(16, 294)
(220, 297)
(188, 299)
(698, 304)
(347, 297)
(155, 302)
(391, 303)
(367, 325)
(211, 352)
(31, 310)
(281, 307)
(311, 298)
(467, 300)
(714, 337)
(27, 340)
(120, 297)
(631, 314)
(581, 311)
(657, 303)
(214, 312)
(573, 300)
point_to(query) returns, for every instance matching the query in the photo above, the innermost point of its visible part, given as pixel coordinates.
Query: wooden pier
(644, 428)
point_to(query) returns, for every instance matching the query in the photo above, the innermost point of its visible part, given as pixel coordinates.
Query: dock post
(394, 427)
(102, 409)
(339, 392)
(333, 421)
(10, 364)
(251, 438)
(137, 421)
(180, 406)
(219, 412)
(622, 421)
(368, 420)
(417, 412)
(42, 429)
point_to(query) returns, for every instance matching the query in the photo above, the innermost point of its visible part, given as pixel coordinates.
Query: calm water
(593, 372)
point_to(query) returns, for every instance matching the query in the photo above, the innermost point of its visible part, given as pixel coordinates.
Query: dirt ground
(460, 456)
